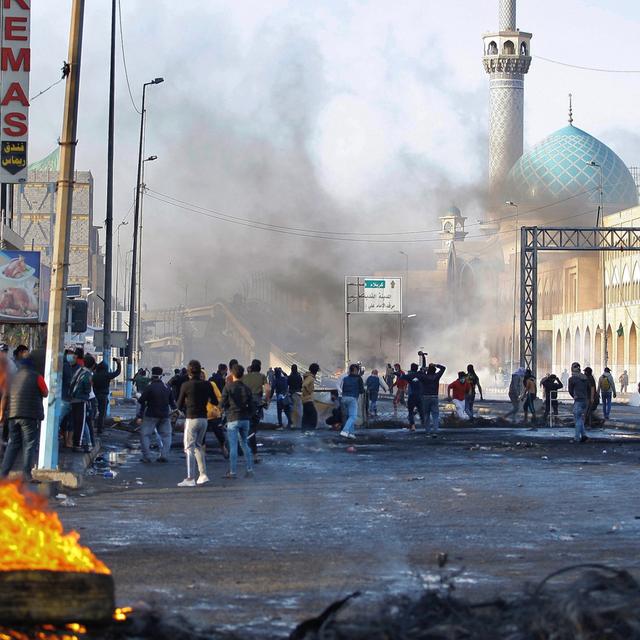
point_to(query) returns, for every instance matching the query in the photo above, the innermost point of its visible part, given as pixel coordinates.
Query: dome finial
(571, 109)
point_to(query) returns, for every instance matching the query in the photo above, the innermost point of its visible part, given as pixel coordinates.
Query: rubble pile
(601, 603)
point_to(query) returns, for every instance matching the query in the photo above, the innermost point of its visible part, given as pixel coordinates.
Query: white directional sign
(373, 295)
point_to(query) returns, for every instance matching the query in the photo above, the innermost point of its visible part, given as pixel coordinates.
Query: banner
(19, 286)
(15, 67)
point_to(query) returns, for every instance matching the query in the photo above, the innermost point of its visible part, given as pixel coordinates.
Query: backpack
(605, 385)
(214, 412)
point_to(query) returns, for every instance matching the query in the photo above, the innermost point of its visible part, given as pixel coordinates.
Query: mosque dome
(557, 172)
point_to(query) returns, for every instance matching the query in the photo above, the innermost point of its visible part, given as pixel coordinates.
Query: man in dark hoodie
(24, 412)
(580, 391)
(352, 389)
(156, 403)
(430, 400)
(102, 378)
(295, 389)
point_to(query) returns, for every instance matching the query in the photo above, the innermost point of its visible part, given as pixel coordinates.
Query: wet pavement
(319, 521)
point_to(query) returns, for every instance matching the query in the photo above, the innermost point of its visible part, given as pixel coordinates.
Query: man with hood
(156, 402)
(24, 413)
(102, 378)
(551, 385)
(430, 391)
(515, 391)
(309, 412)
(607, 390)
(580, 391)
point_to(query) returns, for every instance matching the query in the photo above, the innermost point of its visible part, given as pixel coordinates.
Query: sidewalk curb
(69, 478)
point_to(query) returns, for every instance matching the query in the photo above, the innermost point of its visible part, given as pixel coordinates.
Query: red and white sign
(15, 66)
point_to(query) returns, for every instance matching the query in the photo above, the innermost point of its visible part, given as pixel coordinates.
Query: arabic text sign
(382, 295)
(15, 64)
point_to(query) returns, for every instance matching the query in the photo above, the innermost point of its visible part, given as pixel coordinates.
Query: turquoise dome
(557, 169)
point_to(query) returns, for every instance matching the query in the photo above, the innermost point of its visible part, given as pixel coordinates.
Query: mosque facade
(561, 181)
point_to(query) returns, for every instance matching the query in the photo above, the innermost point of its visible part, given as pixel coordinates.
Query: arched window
(577, 343)
(620, 360)
(509, 48)
(633, 352)
(492, 49)
(587, 347)
(567, 348)
(523, 49)
(597, 348)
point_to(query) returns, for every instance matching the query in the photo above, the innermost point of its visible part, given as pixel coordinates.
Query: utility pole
(131, 342)
(108, 223)
(48, 457)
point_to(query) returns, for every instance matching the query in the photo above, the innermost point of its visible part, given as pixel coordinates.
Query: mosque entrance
(536, 239)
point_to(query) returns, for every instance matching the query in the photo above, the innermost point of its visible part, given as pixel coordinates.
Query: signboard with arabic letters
(373, 295)
(15, 65)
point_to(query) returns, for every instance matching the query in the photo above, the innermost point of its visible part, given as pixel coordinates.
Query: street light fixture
(136, 222)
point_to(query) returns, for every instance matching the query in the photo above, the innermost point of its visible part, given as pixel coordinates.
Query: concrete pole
(48, 457)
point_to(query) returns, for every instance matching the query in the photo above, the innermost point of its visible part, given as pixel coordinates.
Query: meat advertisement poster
(19, 286)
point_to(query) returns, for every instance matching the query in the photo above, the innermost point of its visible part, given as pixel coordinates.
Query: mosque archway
(577, 343)
(567, 348)
(610, 344)
(620, 350)
(523, 49)
(559, 361)
(597, 348)
(509, 48)
(587, 346)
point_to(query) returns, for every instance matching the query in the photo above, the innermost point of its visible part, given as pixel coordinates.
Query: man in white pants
(195, 394)
(459, 389)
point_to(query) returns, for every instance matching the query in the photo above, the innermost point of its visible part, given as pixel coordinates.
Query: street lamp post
(136, 222)
(600, 220)
(406, 306)
(122, 224)
(140, 236)
(509, 203)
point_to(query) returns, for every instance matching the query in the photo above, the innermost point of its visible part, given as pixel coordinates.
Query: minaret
(507, 57)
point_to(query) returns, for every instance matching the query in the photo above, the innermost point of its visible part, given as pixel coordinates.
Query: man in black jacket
(195, 394)
(220, 376)
(295, 389)
(25, 412)
(430, 389)
(238, 402)
(102, 378)
(156, 403)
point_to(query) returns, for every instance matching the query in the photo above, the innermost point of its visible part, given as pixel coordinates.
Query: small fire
(32, 538)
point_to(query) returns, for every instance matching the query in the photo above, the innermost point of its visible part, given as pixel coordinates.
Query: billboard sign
(19, 286)
(373, 295)
(15, 67)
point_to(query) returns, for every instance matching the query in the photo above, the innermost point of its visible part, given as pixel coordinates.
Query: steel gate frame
(535, 239)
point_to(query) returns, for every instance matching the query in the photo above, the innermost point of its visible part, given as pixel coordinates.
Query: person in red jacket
(459, 389)
(400, 385)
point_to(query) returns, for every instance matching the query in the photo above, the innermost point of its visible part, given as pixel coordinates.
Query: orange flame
(32, 538)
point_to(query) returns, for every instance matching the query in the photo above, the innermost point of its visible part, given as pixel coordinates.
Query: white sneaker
(344, 434)
(187, 482)
(351, 436)
(203, 479)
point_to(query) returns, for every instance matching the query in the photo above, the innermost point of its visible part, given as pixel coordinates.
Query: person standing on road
(564, 377)
(155, 405)
(414, 380)
(515, 391)
(373, 385)
(309, 412)
(102, 378)
(24, 412)
(389, 376)
(551, 384)
(238, 402)
(283, 398)
(606, 389)
(295, 389)
(529, 395)
(624, 381)
(595, 397)
(352, 389)
(80, 392)
(470, 398)
(401, 387)
(141, 380)
(220, 376)
(580, 391)
(430, 392)
(459, 389)
(259, 385)
(195, 394)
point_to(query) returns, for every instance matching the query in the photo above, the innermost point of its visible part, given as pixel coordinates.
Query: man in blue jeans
(607, 390)
(238, 403)
(352, 389)
(581, 392)
(430, 389)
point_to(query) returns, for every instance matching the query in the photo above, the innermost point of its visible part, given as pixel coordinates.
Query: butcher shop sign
(15, 66)
(19, 286)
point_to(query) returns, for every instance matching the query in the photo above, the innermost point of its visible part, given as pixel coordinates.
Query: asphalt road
(318, 521)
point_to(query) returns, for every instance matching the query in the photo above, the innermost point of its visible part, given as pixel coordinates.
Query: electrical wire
(583, 68)
(306, 233)
(66, 68)
(124, 61)
(167, 199)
